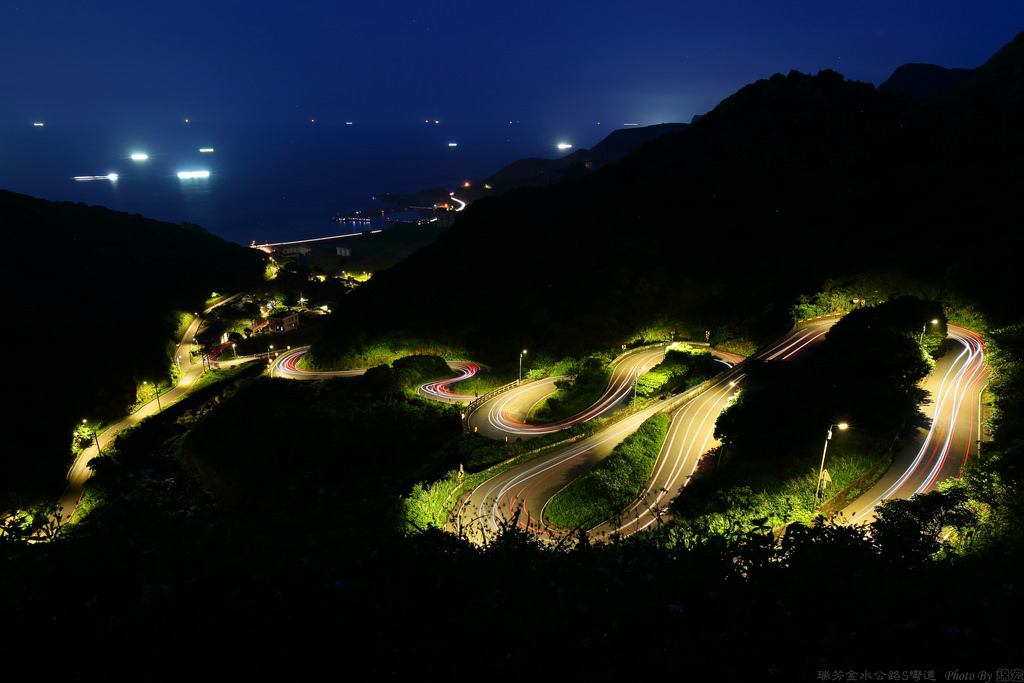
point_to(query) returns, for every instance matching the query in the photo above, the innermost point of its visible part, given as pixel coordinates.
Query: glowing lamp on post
(156, 390)
(521, 366)
(924, 328)
(821, 470)
(94, 437)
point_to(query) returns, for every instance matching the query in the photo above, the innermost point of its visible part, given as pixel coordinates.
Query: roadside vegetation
(613, 483)
(684, 367)
(715, 504)
(429, 504)
(481, 383)
(368, 354)
(865, 373)
(585, 380)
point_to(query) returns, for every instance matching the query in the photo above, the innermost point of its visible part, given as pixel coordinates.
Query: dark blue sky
(574, 62)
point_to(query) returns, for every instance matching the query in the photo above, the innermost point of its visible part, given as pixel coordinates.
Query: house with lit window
(283, 321)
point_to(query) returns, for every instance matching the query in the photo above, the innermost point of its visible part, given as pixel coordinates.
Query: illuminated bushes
(586, 381)
(681, 369)
(613, 483)
(360, 352)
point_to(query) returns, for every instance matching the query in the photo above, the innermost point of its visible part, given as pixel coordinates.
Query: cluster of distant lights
(189, 175)
(142, 156)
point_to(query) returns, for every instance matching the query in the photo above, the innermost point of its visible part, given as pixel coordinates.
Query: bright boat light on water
(186, 175)
(139, 157)
(112, 176)
(38, 125)
(564, 145)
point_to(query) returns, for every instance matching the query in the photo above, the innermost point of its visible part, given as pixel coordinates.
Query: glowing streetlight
(157, 390)
(821, 470)
(521, 366)
(94, 437)
(925, 327)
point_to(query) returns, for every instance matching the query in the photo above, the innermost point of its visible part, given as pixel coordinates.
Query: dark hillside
(979, 142)
(535, 171)
(919, 81)
(96, 292)
(792, 179)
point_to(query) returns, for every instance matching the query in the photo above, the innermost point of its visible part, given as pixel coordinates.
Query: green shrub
(586, 381)
(613, 483)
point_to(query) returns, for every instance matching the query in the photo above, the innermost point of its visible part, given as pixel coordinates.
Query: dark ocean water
(265, 184)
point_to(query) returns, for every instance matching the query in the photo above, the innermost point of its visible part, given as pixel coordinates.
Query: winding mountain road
(935, 450)
(504, 415)
(286, 365)
(949, 430)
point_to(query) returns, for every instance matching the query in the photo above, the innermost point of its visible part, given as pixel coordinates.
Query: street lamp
(924, 328)
(157, 390)
(521, 366)
(94, 438)
(821, 470)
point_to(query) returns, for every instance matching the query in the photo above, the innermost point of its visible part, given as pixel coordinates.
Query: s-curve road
(691, 434)
(522, 492)
(945, 436)
(286, 365)
(505, 414)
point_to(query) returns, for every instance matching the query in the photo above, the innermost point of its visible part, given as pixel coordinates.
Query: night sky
(636, 62)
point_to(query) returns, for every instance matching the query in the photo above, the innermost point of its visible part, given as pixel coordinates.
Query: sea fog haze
(266, 183)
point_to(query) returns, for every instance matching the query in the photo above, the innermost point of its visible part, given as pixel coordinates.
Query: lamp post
(157, 390)
(924, 328)
(636, 378)
(521, 366)
(94, 438)
(821, 470)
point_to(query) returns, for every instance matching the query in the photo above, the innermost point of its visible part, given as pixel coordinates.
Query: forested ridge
(101, 295)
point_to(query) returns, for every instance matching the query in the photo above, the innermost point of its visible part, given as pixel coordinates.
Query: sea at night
(265, 183)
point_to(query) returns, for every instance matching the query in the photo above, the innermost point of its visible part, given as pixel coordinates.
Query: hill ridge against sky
(791, 179)
(918, 81)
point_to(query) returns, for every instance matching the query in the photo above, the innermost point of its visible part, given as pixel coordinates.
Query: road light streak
(690, 437)
(933, 457)
(441, 390)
